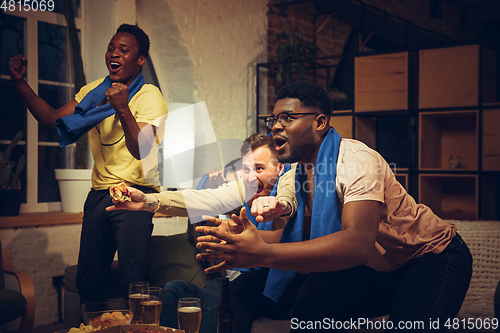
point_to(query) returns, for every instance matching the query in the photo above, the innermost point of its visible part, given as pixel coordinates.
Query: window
(42, 38)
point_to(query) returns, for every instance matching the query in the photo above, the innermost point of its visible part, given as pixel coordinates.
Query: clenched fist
(117, 96)
(17, 67)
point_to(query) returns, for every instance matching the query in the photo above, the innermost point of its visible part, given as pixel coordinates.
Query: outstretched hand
(138, 199)
(224, 226)
(236, 249)
(268, 208)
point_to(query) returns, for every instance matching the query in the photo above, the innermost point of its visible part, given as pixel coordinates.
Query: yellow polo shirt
(113, 163)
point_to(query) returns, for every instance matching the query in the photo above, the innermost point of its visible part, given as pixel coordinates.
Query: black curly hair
(311, 94)
(140, 36)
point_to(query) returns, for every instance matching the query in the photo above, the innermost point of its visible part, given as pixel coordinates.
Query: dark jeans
(103, 233)
(426, 289)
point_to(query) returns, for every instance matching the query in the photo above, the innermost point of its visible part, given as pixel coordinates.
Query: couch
(172, 257)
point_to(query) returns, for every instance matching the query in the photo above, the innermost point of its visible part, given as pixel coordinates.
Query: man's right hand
(268, 208)
(138, 202)
(17, 67)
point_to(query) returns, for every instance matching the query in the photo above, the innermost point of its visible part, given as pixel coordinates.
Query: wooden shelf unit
(343, 125)
(444, 136)
(419, 108)
(491, 140)
(450, 196)
(381, 82)
(402, 178)
(449, 77)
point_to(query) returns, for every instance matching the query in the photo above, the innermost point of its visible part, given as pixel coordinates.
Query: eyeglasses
(284, 118)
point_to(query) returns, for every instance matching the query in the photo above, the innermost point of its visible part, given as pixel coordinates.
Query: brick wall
(330, 34)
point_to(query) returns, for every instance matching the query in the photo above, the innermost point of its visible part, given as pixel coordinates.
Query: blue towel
(325, 217)
(87, 116)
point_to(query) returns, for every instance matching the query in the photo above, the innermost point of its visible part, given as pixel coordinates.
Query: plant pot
(74, 185)
(10, 202)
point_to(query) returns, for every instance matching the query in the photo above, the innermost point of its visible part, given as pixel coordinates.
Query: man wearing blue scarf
(266, 188)
(120, 113)
(359, 245)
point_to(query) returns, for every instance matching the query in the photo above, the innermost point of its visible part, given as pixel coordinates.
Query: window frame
(31, 52)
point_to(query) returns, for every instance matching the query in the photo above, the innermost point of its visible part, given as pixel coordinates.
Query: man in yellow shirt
(118, 144)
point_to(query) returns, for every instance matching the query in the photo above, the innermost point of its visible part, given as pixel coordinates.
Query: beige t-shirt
(113, 163)
(406, 229)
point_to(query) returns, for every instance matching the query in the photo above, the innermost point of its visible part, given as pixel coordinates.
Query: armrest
(27, 289)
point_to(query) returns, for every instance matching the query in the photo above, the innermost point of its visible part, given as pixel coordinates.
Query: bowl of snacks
(100, 315)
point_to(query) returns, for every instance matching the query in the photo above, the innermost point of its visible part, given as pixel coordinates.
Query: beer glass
(189, 314)
(151, 307)
(135, 296)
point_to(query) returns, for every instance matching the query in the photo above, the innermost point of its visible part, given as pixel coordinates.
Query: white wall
(202, 50)
(207, 51)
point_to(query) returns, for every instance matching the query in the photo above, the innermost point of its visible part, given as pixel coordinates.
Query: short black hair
(311, 94)
(140, 36)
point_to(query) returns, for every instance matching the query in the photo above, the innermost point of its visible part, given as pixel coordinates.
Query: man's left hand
(241, 250)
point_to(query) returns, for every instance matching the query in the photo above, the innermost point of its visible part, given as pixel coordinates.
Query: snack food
(120, 192)
(111, 319)
(82, 329)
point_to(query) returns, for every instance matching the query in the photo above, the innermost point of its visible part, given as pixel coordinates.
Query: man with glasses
(359, 245)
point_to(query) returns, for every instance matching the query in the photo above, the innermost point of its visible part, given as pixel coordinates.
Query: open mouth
(115, 65)
(280, 142)
(260, 188)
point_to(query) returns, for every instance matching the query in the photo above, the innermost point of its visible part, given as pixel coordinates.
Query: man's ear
(141, 60)
(281, 167)
(322, 122)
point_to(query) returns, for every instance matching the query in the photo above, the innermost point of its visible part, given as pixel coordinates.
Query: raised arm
(42, 111)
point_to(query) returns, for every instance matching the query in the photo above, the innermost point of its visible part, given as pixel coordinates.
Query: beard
(298, 151)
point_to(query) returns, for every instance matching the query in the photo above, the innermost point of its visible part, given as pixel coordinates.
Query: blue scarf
(325, 218)
(86, 115)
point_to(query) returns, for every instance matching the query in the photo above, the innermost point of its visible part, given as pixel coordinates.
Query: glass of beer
(189, 314)
(151, 307)
(135, 296)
